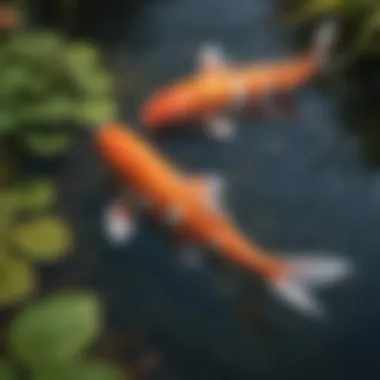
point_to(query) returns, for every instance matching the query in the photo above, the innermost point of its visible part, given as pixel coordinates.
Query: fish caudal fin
(324, 39)
(305, 273)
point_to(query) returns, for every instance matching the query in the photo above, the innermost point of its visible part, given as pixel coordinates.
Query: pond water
(279, 192)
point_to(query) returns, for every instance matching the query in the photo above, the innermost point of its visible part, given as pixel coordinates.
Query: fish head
(167, 107)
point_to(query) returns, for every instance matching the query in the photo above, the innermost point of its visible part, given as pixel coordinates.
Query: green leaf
(82, 57)
(96, 112)
(17, 280)
(100, 84)
(90, 370)
(8, 121)
(312, 9)
(44, 239)
(7, 371)
(36, 194)
(47, 113)
(55, 331)
(39, 47)
(8, 206)
(47, 144)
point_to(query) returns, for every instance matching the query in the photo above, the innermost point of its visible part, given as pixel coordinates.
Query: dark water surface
(277, 193)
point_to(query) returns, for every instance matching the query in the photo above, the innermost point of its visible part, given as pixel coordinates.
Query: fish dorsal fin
(209, 187)
(211, 58)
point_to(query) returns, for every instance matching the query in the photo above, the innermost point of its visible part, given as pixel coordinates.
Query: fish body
(220, 88)
(191, 206)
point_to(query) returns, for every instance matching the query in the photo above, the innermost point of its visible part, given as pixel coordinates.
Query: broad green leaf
(34, 48)
(89, 370)
(7, 371)
(82, 57)
(43, 239)
(99, 85)
(17, 280)
(36, 194)
(96, 112)
(47, 144)
(55, 330)
(8, 121)
(46, 113)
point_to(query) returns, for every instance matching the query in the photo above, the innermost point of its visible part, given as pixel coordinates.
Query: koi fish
(220, 89)
(191, 207)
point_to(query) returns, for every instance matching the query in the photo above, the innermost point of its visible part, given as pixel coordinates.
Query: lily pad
(17, 280)
(89, 370)
(37, 194)
(44, 239)
(55, 331)
(47, 144)
(6, 370)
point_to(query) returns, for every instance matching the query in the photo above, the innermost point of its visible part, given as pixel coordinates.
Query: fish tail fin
(302, 274)
(324, 38)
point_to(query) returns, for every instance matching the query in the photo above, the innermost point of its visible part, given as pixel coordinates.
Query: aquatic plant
(17, 280)
(7, 371)
(360, 16)
(51, 339)
(35, 194)
(55, 331)
(43, 239)
(84, 370)
(311, 9)
(49, 86)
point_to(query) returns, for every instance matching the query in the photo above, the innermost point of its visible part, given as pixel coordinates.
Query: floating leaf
(43, 239)
(47, 144)
(82, 57)
(48, 112)
(56, 330)
(90, 370)
(6, 370)
(39, 47)
(17, 280)
(36, 194)
(96, 112)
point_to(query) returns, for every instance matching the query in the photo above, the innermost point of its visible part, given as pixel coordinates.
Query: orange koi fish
(191, 207)
(220, 89)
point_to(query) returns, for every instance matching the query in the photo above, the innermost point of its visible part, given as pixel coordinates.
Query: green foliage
(6, 370)
(47, 144)
(35, 194)
(86, 370)
(362, 15)
(17, 280)
(49, 83)
(55, 331)
(42, 239)
(311, 9)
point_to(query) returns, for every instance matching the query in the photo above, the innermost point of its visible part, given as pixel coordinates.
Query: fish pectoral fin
(211, 58)
(221, 128)
(210, 187)
(119, 224)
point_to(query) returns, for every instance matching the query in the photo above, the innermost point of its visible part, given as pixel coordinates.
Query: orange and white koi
(220, 88)
(191, 207)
